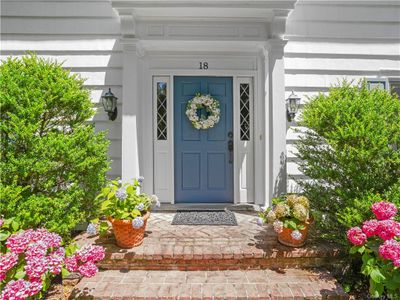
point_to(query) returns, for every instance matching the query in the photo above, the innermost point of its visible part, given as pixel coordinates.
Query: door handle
(230, 149)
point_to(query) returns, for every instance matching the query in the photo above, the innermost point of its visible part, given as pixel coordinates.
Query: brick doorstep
(233, 284)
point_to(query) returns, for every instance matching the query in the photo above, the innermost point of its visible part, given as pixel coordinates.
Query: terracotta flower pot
(286, 238)
(127, 236)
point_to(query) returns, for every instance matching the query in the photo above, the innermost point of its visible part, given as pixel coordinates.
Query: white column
(275, 119)
(130, 110)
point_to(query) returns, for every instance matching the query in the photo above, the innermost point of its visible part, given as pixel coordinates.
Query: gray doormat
(204, 217)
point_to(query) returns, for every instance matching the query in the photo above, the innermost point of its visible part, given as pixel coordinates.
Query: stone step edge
(220, 264)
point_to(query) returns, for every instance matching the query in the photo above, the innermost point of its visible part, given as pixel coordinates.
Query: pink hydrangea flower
(370, 227)
(356, 236)
(38, 249)
(17, 242)
(390, 250)
(36, 267)
(88, 269)
(90, 253)
(7, 261)
(55, 260)
(20, 289)
(387, 229)
(2, 276)
(384, 210)
(396, 263)
(71, 263)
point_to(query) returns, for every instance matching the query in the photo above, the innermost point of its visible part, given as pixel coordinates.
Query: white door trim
(238, 76)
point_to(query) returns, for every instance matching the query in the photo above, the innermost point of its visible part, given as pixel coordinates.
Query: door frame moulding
(238, 76)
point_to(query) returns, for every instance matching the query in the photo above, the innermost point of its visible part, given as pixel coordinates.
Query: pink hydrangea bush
(33, 257)
(378, 241)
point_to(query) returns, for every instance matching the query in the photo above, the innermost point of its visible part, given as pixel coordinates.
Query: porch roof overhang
(244, 22)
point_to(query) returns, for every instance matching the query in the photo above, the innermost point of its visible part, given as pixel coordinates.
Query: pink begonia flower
(7, 261)
(390, 250)
(370, 227)
(356, 236)
(384, 210)
(88, 269)
(387, 229)
(71, 263)
(20, 289)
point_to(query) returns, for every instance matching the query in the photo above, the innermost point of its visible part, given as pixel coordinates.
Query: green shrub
(52, 163)
(350, 151)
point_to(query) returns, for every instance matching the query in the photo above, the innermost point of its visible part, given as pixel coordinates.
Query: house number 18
(203, 65)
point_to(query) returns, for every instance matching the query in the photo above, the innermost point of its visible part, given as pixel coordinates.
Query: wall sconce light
(110, 104)
(292, 106)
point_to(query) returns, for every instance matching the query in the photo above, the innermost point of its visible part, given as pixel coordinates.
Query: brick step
(180, 247)
(233, 284)
(219, 257)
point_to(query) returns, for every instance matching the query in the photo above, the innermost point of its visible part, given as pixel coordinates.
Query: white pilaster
(130, 111)
(275, 119)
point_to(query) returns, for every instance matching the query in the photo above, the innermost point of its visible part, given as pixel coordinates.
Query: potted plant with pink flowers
(378, 242)
(30, 259)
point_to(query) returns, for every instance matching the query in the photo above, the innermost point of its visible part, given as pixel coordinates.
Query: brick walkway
(233, 284)
(211, 262)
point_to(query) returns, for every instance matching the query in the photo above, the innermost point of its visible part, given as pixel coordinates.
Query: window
(395, 87)
(245, 112)
(161, 104)
(377, 83)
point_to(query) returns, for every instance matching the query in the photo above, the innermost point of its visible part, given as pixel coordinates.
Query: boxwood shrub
(350, 153)
(52, 163)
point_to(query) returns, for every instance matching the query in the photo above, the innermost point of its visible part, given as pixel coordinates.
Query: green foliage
(351, 152)
(53, 163)
(122, 201)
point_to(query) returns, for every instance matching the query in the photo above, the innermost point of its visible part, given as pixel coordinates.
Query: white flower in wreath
(210, 104)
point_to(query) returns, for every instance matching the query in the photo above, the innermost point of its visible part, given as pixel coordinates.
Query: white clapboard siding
(84, 36)
(332, 41)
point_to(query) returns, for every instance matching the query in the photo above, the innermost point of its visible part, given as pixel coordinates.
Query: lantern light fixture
(110, 104)
(292, 106)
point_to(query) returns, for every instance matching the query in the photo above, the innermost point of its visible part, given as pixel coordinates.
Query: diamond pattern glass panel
(245, 112)
(161, 111)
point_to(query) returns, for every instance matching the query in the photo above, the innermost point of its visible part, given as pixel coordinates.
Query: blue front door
(203, 162)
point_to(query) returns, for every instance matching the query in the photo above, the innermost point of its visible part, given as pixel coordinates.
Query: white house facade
(249, 55)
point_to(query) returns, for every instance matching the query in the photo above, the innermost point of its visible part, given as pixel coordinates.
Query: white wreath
(210, 104)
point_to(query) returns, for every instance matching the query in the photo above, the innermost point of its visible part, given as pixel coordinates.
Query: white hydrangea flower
(137, 223)
(278, 226)
(91, 229)
(296, 235)
(140, 207)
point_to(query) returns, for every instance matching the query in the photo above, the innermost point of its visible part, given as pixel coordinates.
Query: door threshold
(167, 207)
